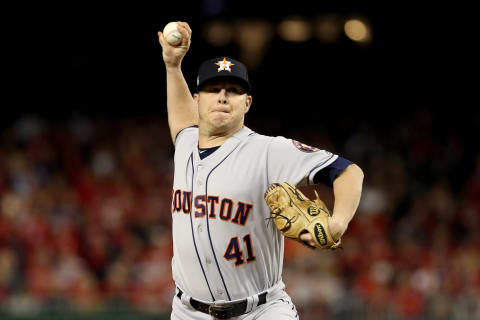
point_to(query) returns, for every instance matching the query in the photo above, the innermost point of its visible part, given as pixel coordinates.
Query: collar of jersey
(225, 148)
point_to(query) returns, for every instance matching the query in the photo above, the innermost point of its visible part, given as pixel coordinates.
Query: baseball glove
(294, 214)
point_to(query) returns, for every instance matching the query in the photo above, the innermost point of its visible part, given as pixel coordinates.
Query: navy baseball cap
(223, 67)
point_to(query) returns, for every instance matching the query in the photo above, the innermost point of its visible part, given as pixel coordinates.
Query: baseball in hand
(171, 34)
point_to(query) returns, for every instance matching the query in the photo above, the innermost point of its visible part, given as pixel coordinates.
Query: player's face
(222, 105)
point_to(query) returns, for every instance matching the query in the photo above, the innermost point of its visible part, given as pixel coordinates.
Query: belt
(223, 312)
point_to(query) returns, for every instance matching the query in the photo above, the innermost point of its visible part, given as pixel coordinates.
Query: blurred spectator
(85, 222)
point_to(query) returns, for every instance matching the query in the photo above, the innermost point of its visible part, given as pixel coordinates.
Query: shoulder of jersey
(253, 136)
(283, 143)
(191, 132)
(259, 140)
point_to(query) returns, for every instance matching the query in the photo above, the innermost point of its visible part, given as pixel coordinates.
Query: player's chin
(220, 119)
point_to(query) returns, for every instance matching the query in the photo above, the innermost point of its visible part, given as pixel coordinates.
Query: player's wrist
(337, 227)
(173, 66)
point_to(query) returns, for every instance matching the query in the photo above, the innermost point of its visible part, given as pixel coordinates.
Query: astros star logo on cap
(224, 65)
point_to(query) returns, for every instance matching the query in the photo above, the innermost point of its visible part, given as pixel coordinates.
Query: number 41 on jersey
(234, 252)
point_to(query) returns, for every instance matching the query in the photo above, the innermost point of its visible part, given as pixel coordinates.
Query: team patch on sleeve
(303, 147)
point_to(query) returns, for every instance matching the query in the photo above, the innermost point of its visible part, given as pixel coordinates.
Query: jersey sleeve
(294, 162)
(186, 134)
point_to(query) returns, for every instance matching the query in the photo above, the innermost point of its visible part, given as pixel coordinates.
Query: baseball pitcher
(235, 198)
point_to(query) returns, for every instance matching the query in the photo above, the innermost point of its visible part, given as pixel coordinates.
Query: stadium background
(86, 158)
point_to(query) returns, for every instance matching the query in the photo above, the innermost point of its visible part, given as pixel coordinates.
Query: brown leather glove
(294, 214)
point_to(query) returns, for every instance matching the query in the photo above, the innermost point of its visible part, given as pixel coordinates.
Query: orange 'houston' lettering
(200, 204)
(177, 201)
(242, 213)
(187, 198)
(226, 214)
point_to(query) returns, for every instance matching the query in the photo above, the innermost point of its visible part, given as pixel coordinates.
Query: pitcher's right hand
(173, 55)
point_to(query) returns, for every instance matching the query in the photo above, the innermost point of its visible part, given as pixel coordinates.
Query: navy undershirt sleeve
(328, 174)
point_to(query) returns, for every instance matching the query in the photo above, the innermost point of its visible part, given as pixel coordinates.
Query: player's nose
(222, 96)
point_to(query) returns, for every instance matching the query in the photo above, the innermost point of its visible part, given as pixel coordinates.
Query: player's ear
(248, 103)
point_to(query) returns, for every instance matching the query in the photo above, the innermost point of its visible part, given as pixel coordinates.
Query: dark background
(105, 59)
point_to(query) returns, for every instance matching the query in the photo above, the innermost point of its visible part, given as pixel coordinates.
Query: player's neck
(209, 139)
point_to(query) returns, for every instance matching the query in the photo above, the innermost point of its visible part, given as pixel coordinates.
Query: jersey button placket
(209, 266)
(199, 179)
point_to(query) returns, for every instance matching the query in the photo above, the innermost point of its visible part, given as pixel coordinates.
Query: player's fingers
(185, 35)
(187, 27)
(307, 238)
(161, 38)
(184, 31)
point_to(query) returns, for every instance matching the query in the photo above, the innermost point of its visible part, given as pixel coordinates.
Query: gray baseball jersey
(224, 247)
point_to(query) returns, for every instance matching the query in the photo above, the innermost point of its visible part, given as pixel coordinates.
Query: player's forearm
(181, 108)
(347, 190)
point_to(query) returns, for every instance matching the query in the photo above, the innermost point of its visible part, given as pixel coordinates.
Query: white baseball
(171, 34)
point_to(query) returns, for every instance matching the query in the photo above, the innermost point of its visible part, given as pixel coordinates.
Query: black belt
(223, 312)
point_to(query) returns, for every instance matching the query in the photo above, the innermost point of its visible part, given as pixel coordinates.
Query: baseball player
(228, 258)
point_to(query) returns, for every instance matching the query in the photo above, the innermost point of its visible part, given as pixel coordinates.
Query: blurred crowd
(85, 221)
